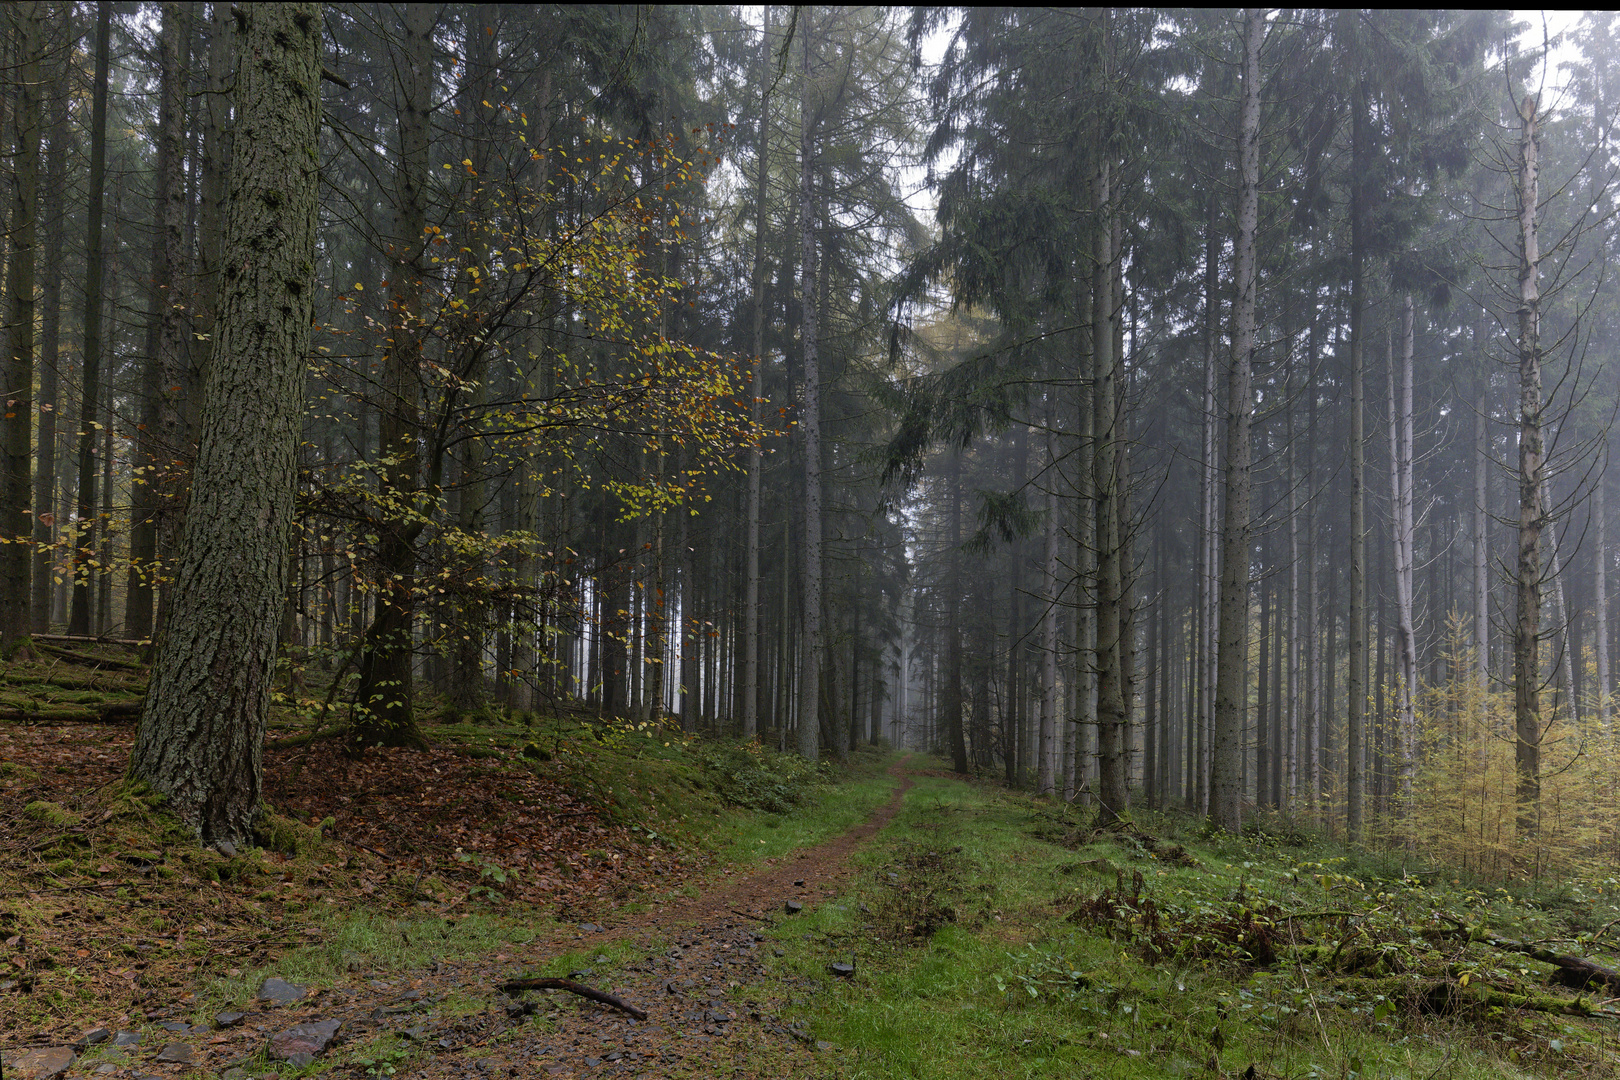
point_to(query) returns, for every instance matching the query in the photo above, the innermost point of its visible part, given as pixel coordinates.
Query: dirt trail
(819, 868)
(713, 1003)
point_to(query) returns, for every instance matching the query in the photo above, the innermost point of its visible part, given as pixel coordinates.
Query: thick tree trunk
(17, 387)
(202, 730)
(1226, 804)
(1532, 514)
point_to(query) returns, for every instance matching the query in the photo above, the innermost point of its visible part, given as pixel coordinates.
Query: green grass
(1007, 985)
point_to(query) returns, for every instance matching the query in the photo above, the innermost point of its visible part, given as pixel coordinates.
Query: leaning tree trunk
(202, 730)
(1226, 803)
(1527, 578)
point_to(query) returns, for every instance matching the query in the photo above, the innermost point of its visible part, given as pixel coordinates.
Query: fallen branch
(517, 986)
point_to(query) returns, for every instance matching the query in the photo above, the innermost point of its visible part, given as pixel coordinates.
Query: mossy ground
(993, 934)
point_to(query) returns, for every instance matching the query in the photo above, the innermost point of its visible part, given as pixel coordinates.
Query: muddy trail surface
(698, 967)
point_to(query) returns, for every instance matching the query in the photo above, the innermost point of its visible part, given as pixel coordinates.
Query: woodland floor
(105, 925)
(903, 923)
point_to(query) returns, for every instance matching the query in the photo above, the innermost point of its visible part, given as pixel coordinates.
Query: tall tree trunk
(1045, 749)
(953, 630)
(1532, 514)
(50, 360)
(384, 713)
(810, 416)
(1198, 761)
(1107, 500)
(202, 730)
(162, 443)
(756, 392)
(17, 391)
(1482, 518)
(1226, 807)
(90, 394)
(1600, 600)
(1356, 676)
(1400, 495)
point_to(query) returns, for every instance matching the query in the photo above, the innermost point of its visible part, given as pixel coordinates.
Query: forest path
(692, 963)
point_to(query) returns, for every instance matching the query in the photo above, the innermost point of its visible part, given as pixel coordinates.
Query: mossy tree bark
(202, 731)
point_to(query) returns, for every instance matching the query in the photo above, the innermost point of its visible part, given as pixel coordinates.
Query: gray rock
(106, 1068)
(779, 952)
(593, 1062)
(235, 1072)
(8, 984)
(228, 1019)
(40, 1064)
(127, 1038)
(303, 1041)
(843, 971)
(91, 1038)
(176, 1027)
(180, 1054)
(823, 1045)
(225, 848)
(794, 907)
(284, 993)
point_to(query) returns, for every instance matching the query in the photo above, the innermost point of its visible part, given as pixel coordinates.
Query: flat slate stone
(180, 1054)
(127, 1038)
(176, 1027)
(38, 1064)
(843, 971)
(283, 992)
(304, 1040)
(794, 907)
(228, 1019)
(91, 1038)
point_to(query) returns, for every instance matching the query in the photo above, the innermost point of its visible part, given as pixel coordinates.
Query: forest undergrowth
(994, 934)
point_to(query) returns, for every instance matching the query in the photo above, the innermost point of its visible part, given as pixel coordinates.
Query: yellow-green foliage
(1461, 807)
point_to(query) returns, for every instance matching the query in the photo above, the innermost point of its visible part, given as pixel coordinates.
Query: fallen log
(1576, 972)
(517, 986)
(112, 712)
(134, 643)
(90, 659)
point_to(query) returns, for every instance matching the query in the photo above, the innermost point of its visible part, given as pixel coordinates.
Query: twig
(745, 915)
(517, 986)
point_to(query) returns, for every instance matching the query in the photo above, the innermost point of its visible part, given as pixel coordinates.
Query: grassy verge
(994, 935)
